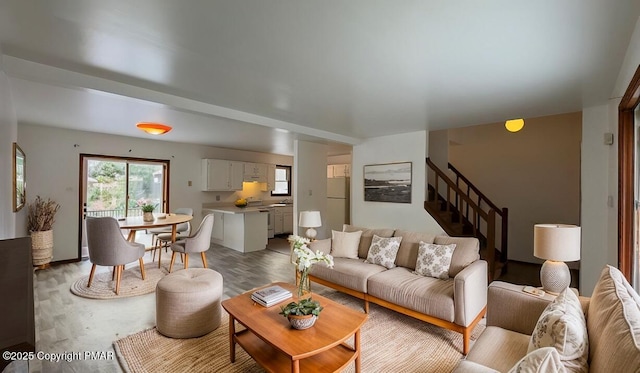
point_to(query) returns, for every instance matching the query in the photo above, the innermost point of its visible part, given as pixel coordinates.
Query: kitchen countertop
(237, 210)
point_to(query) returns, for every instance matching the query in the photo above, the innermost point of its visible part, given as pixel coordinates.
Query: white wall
(535, 173)
(8, 135)
(53, 171)
(310, 183)
(597, 243)
(407, 147)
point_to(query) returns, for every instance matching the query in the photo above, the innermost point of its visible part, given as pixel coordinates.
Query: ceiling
(255, 75)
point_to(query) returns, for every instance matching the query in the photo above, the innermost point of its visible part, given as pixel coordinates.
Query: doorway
(117, 186)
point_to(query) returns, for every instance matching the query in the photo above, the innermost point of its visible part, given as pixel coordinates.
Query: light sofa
(612, 343)
(457, 303)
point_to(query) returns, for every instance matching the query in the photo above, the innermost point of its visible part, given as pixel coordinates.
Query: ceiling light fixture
(514, 125)
(154, 128)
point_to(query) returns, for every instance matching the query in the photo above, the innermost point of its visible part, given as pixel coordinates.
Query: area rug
(131, 283)
(391, 342)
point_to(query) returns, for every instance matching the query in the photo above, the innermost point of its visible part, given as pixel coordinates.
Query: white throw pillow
(383, 251)
(434, 260)
(562, 325)
(542, 360)
(345, 244)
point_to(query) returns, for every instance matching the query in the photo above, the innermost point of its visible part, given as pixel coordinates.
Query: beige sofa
(457, 303)
(612, 329)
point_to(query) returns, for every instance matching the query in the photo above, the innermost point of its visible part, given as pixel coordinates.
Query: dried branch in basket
(41, 214)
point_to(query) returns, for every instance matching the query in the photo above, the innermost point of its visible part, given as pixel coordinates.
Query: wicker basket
(42, 247)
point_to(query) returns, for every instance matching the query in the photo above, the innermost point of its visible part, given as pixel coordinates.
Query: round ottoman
(188, 303)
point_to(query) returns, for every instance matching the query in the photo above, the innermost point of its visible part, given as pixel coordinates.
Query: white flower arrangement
(305, 258)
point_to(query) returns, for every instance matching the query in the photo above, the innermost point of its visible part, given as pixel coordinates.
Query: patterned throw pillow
(434, 260)
(562, 325)
(383, 251)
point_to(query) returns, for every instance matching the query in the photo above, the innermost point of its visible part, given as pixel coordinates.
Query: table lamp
(310, 220)
(557, 243)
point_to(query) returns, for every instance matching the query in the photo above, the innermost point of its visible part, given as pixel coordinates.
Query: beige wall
(535, 173)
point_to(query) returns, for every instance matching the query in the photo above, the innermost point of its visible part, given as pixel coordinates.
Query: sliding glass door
(115, 186)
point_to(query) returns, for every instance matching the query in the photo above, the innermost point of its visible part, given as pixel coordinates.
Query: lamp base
(555, 276)
(311, 234)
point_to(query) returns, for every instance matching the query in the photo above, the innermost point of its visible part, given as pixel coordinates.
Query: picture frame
(388, 182)
(19, 181)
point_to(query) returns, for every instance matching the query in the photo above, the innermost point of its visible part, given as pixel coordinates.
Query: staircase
(462, 210)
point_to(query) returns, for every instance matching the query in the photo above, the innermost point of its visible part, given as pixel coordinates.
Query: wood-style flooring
(66, 323)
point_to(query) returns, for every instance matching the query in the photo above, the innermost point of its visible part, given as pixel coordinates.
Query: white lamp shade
(310, 219)
(558, 242)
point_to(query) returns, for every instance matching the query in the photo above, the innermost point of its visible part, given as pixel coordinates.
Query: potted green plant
(303, 313)
(147, 209)
(40, 218)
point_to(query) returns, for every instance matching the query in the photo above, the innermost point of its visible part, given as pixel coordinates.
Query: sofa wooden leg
(466, 337)
(366, 306)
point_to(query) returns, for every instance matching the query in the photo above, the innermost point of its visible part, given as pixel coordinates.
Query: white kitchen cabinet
(283, 222)
(220, 175)
(255, 172)
(243, 230)
(271, 177)
(338, 170)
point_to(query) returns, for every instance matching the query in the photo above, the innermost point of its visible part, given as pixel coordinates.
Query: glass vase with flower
(304, 259)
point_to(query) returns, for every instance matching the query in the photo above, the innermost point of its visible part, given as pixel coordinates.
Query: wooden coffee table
(277, 347)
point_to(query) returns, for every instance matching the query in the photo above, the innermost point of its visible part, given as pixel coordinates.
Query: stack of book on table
(270, 295)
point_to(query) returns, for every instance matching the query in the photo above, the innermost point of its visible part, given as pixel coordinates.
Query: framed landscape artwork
(389, 182)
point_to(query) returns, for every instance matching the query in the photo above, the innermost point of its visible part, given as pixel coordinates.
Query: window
(283, 181)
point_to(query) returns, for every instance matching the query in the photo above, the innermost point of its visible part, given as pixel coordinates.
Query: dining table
(136, 223)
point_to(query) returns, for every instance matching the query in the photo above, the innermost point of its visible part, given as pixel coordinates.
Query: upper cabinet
(271, 178)
(338, 170)
(221, 175)
(255, 172)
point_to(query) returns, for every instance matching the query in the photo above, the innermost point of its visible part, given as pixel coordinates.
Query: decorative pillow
(383, 251)
(542, 360)
(345, 244)
(434, 260)
(614, 324)
(562, 325)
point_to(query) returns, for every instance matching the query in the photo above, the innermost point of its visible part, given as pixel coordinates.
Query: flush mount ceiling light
(153, 128)
(514, 125)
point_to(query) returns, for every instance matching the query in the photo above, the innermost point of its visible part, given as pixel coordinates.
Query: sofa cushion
(467, 251)
(542, 360)
(423, 294)
(367, 236)
(383, 251)
(350, 273)
(323, 246)
(562, 325)
(434, 260)
(613, 321)
(498, 348)
(345, 244)
(408, 251)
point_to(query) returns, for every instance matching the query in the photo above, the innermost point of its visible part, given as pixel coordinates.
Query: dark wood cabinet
(17, 325)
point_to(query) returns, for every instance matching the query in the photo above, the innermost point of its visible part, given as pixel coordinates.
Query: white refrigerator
(337, 203)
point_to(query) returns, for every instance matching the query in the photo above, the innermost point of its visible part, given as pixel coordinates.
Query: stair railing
(483, 222)
(482, 199)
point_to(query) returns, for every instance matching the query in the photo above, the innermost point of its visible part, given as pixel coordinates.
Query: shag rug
(131, 283)
(391, 342)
